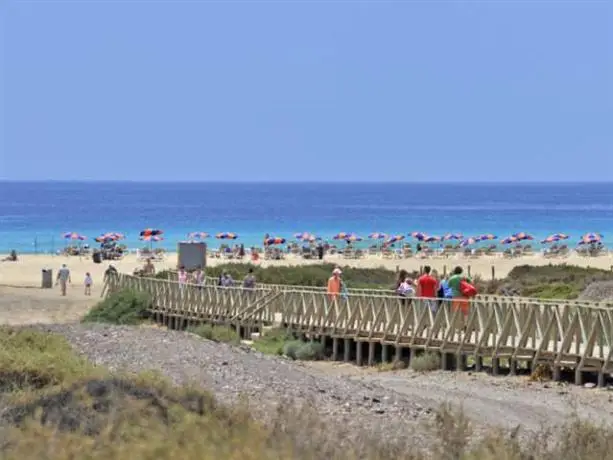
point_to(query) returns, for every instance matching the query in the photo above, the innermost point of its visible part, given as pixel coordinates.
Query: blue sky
(310, 90)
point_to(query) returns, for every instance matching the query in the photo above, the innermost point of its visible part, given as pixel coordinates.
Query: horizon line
(305, 182)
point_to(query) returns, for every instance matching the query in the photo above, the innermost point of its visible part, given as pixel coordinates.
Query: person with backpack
(462, 290)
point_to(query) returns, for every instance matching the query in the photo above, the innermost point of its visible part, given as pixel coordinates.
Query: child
(88, 284)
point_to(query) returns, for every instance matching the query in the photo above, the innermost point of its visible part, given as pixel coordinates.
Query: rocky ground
(235, 372)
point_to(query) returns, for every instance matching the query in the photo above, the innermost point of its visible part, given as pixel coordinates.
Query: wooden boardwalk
(369, 326)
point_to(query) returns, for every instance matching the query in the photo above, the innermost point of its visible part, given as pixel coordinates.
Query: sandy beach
(27, 270)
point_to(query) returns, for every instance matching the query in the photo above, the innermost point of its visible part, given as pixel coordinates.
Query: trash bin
(47, 282)
(97, 257)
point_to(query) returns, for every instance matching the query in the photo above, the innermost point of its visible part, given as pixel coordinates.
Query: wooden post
(468, 270)
(493, 273)
(445, 270)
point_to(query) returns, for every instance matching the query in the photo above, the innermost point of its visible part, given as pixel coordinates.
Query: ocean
(34, 215)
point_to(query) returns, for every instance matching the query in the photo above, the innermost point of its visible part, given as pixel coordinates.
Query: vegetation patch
(123, 307)
(305, 275)
(34, 360)
(273, 342)
(216, 333)
(426, 362)
(561, 281)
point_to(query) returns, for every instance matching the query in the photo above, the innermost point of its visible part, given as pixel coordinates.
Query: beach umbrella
(305, 236)
(377, 236)
(110, 236)
(487, 237)
(590, 238)
(274, 240)
(198, 235)
(353, 237)
(74, 236)
(151, 232)
(555, 238)
(151, 238)
(341, 235)
(226, 236)
(523, 236)
(431, 239)
(453, 236)
(510, 240)
(469, 241)
(394, 239)
(420, 236)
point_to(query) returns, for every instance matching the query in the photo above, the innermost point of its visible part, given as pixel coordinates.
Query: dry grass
(62, 408)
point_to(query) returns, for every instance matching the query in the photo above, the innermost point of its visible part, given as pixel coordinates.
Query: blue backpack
(447, 291)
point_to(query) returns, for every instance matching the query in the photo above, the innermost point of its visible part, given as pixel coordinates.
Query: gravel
(231, 373)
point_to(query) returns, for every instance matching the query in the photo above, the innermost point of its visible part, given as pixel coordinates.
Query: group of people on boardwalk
(429, 287)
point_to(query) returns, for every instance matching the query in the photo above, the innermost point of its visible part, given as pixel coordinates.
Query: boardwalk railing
(561, 334)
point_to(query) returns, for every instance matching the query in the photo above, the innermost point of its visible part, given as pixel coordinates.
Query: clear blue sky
(310, 90)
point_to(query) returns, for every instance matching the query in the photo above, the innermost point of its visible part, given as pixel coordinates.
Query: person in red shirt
(427, 287)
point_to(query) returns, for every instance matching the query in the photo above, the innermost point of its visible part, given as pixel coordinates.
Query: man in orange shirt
(334, 284)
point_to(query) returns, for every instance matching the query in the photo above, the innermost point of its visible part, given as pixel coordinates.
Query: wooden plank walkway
(561, 334)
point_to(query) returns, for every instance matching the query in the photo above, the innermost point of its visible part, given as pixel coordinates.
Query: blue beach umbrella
(394, 239)
(453, 236)
(555, 238)
(469, 241)
(226, 236)
(377, 236)
(419, 236)
(353, 237)
(590, 238)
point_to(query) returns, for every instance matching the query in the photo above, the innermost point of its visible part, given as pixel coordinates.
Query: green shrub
(122, 307)
(216, 333)
(291, 348)
(33, 360)
(271, 342)
(426, 362)
(203, 330)
(310, 351)
(306, 275)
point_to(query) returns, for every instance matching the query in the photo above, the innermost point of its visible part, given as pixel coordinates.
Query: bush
(310, 351)
(223, 334)
(426, 362)
(304, 275)
(547, 281)
(35, 360)
(291, 348)
(272, 342)
(122, 307)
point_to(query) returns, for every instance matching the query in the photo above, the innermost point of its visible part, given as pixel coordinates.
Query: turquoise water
(33, 216)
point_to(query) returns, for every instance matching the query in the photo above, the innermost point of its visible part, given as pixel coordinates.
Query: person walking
(404, 287)
(88, 283)
(182, 278)
(334, 284)
(63, 278)
(199, 278)
(427, 287)
(249, 281)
